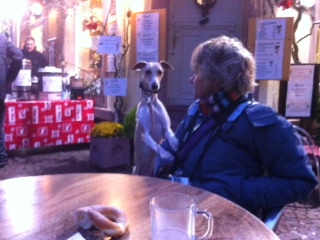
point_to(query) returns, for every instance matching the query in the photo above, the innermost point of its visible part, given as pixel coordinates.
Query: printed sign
(109, 45)
(115, 86)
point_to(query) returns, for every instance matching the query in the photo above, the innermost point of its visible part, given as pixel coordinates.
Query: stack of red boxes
(34, 124)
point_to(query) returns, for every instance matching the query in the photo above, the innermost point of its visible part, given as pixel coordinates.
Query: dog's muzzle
(155, 88)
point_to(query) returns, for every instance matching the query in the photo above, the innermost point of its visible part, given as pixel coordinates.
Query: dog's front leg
(144, 121)
(146, 127)
(166, 125)
(164, 154)
(173, 141)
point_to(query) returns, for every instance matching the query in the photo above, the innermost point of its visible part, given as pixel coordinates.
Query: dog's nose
(154, 86)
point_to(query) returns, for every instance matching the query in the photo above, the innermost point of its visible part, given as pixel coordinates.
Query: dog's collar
(147, 90)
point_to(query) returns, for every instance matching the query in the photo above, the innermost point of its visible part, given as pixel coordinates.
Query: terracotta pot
(110, 152)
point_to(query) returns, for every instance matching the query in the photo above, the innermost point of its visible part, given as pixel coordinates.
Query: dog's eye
(159, 72)
(148, 72)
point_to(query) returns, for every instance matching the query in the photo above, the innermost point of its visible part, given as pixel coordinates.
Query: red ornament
(285, 4)
(92, 26)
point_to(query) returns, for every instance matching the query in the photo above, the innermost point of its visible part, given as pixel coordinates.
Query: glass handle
(209, 218)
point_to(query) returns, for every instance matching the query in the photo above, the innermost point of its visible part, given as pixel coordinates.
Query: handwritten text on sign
(115, 86)
(109, 45)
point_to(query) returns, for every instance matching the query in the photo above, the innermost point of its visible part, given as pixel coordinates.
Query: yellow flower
(107, 130)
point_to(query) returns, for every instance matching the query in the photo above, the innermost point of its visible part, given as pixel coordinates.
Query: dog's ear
(166, 65)
(139, 65)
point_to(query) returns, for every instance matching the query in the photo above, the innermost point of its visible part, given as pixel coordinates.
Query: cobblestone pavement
(53, 162)
(299, 221)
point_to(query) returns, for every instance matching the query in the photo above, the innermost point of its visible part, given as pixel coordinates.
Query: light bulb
(36, 9)
(308, 3)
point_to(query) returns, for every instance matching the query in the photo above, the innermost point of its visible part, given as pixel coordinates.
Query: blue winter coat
(10, 64)
(256, 160)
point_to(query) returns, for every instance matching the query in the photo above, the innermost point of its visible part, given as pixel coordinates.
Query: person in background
(38, 59)
(10, 65)
(229, 144)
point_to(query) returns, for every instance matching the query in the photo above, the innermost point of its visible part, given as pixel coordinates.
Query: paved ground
(299, 221)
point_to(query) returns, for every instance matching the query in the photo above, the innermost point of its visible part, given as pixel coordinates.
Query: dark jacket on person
(38, 60)
(255, 159)
(10, 64)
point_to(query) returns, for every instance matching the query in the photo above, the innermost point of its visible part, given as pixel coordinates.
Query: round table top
(43, 207)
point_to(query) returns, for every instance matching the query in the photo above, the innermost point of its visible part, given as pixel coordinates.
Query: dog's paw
(164, 154)
(174, 142)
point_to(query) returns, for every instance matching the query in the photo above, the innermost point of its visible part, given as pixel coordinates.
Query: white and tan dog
(152, 120)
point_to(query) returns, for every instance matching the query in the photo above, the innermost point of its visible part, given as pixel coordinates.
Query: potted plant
(129, 123)
(108, 145)
(129, 127)
(111, 143)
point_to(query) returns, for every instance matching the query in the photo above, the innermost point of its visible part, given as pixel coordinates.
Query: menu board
(270, 40)
(148, 36)
(269, 48)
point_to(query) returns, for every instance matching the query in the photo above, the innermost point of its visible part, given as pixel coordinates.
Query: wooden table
(43, 207)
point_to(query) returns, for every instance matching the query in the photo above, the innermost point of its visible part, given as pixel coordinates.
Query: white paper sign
(95, 43)
(148, 41)
(299, 93)
(52, 84)
(148, 37)
(109, 45)
(111, 63)
(115, 86)
(147, 22)
(112, 29)
(148, 56)
(271, 29)
(23, 79)
(269, 69)
(269, 49)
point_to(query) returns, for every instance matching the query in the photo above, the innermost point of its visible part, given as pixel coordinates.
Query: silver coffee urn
(21, 86)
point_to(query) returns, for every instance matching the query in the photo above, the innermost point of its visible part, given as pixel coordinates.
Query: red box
(74, 110)
(76, 132)
(40, 131)
(18, 130)
(17, 113)
(19, 143)
(17, 136)
(35, 124)
(43, 134)
(84, 110)
(42, 112)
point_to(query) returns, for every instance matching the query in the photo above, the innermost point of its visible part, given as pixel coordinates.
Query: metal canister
(34, 85)
(26, 64)
(21, 87)
(50, 83)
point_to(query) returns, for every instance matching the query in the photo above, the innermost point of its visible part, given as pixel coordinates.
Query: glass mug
(173, 217)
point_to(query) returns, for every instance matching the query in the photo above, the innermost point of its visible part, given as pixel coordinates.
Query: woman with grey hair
(223, 63)
(231, 145)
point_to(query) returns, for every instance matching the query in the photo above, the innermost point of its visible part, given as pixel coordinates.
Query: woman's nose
(191, 79)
